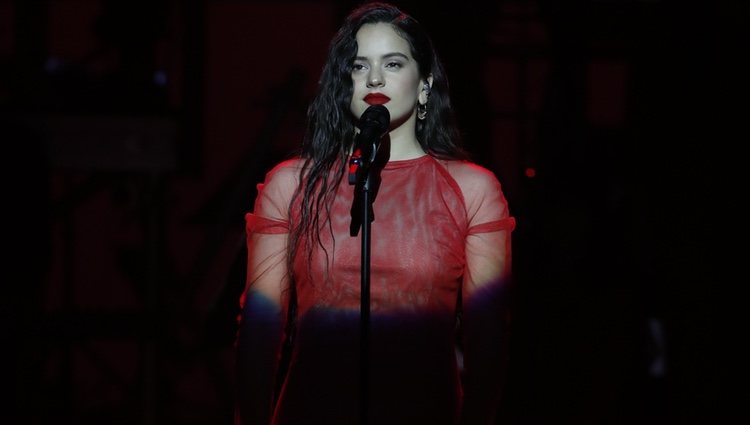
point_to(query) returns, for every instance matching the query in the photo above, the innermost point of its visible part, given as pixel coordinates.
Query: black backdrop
(134, 135)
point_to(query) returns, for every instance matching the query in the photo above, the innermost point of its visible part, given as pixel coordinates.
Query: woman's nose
(375, 79)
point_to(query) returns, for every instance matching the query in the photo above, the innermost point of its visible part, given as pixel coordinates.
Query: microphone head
(377, 118)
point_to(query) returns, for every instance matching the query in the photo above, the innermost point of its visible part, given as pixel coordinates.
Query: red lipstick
(377, 99)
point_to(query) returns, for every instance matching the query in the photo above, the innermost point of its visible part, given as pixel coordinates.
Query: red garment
(429, 215)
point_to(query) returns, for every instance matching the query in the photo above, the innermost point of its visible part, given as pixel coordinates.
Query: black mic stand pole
(362, 214)
(364, 309)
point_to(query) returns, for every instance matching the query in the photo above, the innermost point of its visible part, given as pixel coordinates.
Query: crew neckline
(403, 163)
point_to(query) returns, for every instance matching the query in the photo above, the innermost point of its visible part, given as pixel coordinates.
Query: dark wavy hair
(330, 130)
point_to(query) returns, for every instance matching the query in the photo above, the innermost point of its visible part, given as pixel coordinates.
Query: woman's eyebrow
(386, 56)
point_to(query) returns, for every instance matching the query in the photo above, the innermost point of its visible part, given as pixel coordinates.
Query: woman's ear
(424, 92)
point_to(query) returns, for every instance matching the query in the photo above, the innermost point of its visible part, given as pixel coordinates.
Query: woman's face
(384, 72)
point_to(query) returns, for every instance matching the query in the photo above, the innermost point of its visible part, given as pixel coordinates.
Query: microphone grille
(377, 115)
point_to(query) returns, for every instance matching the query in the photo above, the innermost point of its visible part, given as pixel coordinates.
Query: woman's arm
(484, 321)
(485, 299)
(266, 298)
(261, 335)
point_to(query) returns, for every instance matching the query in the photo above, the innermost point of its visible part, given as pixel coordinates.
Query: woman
(440, 251)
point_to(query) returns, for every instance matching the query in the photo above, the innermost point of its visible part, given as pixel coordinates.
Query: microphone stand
(366, 181)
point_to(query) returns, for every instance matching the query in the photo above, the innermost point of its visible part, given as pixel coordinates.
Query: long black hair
(330, 130)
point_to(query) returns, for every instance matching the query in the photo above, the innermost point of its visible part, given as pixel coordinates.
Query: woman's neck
(404, 143)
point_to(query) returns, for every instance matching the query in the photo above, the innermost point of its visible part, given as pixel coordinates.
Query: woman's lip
(376, 99)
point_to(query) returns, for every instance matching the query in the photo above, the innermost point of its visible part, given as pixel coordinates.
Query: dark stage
(135, 134)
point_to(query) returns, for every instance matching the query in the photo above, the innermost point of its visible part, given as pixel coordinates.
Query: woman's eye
(358, 67)
(393, 65)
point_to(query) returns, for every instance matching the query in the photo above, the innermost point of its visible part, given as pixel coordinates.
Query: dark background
(134, 133)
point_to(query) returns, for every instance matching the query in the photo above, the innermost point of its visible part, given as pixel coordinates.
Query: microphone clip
(355, 165)
(360, 162)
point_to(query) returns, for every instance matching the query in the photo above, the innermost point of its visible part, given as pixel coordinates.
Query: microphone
(372, 127)
(373, 124)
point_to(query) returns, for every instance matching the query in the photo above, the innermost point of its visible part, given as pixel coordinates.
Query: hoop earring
(422, 111)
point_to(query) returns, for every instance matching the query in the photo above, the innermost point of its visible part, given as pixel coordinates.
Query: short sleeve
(489, 224)
(271, 211)
(486, 206)
(507, 223)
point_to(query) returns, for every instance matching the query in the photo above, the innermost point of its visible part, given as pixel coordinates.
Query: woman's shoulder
(281, 180)
(284, 173)
(469, 174)
(481, 190)
(286, 169)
